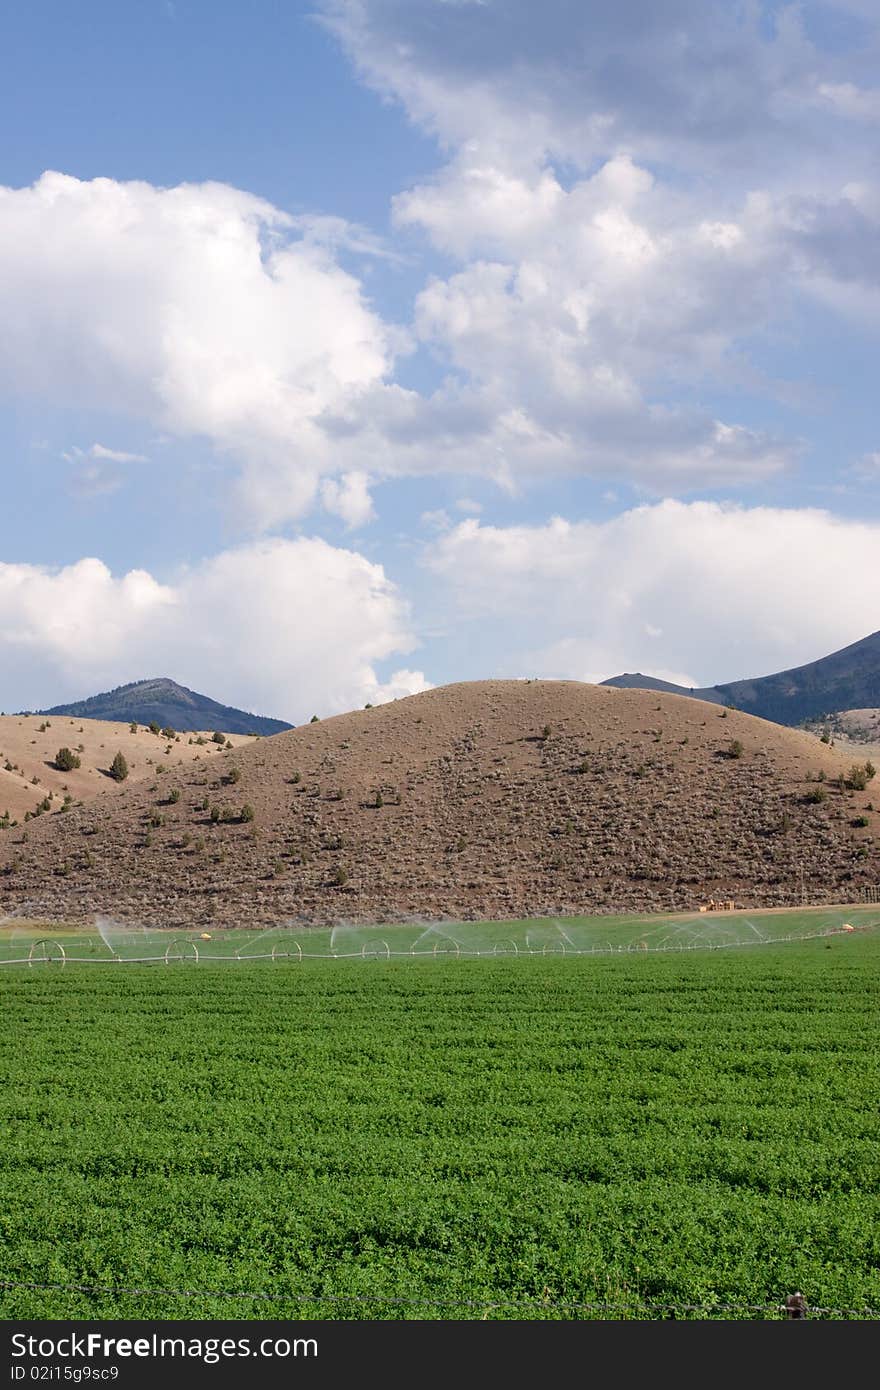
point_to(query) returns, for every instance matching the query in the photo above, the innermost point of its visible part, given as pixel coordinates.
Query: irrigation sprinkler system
(150, 948)
(46, 951)
(377, 949)
(444, 948)
(181, 949)
(292, 953)
(120, 943)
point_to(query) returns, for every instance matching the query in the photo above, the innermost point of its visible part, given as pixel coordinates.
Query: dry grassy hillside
(855, 731)
(487, 799)
(29, 744)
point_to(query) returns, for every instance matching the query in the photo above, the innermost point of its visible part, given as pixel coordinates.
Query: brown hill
(487, 799)
(853, 730)
(29, 744)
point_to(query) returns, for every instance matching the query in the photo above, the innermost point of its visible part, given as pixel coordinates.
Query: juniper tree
(119, 768)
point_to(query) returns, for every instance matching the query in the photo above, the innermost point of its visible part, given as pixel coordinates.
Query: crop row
(697, 1129)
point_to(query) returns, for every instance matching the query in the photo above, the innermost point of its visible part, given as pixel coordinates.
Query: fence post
(795, 1306)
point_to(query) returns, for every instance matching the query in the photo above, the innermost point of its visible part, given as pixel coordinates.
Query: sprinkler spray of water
(102, 926)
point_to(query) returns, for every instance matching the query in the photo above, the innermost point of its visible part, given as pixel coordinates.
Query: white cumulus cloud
(202, 309)
(737, 591)
(629, 198)
(635, 194)
(349, 498)
(286, 628)
(686, 83)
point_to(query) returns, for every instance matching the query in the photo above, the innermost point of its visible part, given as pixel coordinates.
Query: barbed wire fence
(793, 1305)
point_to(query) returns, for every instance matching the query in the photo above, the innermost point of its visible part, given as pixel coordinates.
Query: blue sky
(361, 345)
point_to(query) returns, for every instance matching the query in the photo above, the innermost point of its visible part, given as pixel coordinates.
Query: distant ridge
(847, 679)
(168, 703)
(636, 680)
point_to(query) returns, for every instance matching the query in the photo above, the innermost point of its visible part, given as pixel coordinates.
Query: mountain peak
(168, 703)
(846, 679)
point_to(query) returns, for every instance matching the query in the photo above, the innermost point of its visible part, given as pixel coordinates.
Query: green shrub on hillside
(119, 768)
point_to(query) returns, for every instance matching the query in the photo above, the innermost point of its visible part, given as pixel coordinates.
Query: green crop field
(526, 1136)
